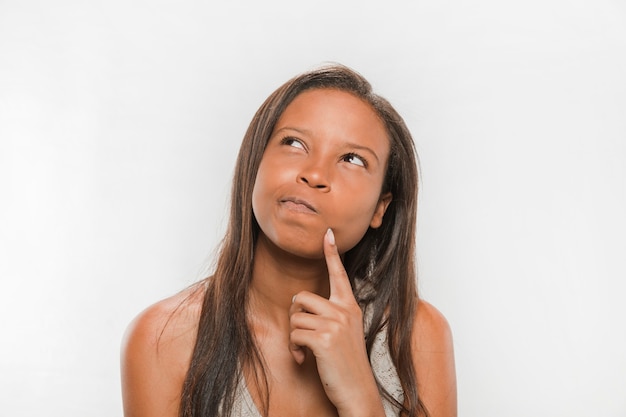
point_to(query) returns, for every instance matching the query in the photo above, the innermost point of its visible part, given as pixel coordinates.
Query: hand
(333, 330)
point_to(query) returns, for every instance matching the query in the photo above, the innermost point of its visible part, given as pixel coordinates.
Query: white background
(119, 125)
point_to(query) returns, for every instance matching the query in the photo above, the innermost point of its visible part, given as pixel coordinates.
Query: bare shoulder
(168, 320)
(156, 352)
(431, 329)
(433, 355)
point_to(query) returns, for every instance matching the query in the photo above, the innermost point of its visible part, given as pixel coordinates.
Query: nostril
(314, 182)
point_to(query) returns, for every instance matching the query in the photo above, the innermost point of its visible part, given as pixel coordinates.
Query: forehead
(330, 98)
(334, 112)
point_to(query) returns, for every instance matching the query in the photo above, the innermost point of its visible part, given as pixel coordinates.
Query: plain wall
(119, 126)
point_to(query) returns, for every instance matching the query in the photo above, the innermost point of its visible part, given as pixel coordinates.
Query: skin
(323, 167)
(317, 191)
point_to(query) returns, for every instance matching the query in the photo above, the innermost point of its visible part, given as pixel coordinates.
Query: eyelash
(288, 140)
(355, 155)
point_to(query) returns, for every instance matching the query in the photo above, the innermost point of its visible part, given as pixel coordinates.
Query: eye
(355, 159)
(290, 141)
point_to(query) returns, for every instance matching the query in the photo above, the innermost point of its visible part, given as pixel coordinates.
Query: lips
(297, 204)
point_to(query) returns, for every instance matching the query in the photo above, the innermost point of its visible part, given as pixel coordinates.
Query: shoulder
(167, 320)
(156, 352)
(433, 356)
(431, 331)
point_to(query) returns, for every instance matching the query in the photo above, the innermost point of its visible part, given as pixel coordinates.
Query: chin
(297, 243)
(305, 250)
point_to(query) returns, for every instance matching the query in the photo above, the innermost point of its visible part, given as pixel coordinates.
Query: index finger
(340, 288)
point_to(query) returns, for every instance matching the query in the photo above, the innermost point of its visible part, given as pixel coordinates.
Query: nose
(315, 175)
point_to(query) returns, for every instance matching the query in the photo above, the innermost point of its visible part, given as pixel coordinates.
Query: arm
(155, 357)
(433, 356)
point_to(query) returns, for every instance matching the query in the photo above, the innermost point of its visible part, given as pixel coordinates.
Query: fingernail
(293, 299)
(331, 236)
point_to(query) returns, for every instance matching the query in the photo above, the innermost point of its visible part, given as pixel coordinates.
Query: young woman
(312, 309)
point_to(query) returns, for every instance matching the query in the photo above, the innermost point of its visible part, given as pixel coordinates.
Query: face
(323, 166)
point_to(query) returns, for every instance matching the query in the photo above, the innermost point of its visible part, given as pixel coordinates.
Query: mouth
(298, 205)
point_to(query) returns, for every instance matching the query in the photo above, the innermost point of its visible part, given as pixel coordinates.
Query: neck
(277, 276)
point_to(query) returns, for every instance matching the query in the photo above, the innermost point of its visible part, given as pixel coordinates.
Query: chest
(295, 390)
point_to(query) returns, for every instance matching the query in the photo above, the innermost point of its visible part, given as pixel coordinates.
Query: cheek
(262, 193)
(258, 195)
(353, 224)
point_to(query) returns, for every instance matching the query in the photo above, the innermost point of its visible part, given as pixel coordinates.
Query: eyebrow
(362, 148)
(350, 145)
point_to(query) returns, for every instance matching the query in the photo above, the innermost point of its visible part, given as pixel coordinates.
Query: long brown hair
(381, 266)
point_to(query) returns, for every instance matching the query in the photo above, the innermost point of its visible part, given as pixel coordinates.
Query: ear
(381, 208)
